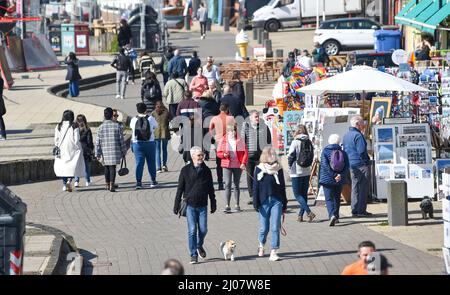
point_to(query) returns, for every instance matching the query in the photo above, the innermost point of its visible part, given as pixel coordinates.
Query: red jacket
(241, 151)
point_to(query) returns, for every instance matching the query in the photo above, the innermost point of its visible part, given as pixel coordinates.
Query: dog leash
(283, 230)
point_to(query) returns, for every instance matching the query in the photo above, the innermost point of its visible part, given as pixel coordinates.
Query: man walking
(217, 130)
(202, 16)
(122, 64)
(173, 93)
(143, 144)
(355, 146)
(235, 105)
(195, 185)
(256, 136)
(177, 65)
(211, 71)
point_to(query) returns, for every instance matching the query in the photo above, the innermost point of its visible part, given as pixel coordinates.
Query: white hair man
(355, 146)
(333, 166)
(195, 184)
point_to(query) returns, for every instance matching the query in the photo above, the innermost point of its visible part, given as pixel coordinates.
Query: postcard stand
(403, 152)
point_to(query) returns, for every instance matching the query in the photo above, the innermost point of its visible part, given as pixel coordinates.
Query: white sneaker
(122, 97)
(64, 188)
(88, 183)
(117, 96)
(261, 251)
(76, 184)
(273, 255)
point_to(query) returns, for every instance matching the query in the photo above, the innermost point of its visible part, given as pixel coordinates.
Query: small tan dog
(228, 249)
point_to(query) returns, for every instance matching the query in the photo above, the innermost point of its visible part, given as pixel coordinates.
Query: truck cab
(278, 14)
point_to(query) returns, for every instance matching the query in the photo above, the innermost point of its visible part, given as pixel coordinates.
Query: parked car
(346, 33)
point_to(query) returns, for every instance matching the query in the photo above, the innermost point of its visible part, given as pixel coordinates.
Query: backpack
(142, 129)
(151, 91)
(337, 161)
(306, 156)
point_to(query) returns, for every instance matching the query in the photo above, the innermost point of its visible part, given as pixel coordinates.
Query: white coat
(71, 160)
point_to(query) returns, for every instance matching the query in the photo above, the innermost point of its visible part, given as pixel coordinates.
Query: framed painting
(379, 109)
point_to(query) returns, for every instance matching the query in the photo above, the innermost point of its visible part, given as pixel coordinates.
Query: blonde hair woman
(269, 199)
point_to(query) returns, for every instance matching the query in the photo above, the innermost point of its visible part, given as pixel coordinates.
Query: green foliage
(115, 45)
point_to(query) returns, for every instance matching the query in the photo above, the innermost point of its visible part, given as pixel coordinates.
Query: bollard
(279, 53)
(248, 87)
(187, 22)
(255, 33)
(268, 45)
(265, 37)
(260, 35)
(209, 25)
(397, 203)
(226, 24)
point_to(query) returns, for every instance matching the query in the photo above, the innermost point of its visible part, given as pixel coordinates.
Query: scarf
(270, 169)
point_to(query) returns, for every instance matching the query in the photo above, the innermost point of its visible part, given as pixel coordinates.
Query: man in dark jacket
(2, 112)
(151, 92)
(124, 36)
(235, 105)
(256, 135)
(122, 64)
(164, 65)
(355, 146)
(290, 63)
(177, 64)
(73, 74)
(194, 64)
(196, 185)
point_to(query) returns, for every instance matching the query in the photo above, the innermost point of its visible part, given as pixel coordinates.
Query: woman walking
(333, 166)
(300, 175)
(73, 74)
(237, 86)
(199, 84)
(110, 148)
(233, 156)
(162, 135)
(269, 199)
(87, 143)
(68, 152)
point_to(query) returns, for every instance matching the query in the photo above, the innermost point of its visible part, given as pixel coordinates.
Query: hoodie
(294, 151)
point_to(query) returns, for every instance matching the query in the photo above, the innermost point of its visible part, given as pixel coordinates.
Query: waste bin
(54, 35)
(82, 39)
(151, 33)
(387, 40)
(12, 232)
(68, 38)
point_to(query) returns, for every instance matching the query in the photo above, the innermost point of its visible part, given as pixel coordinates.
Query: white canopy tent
(361, 80)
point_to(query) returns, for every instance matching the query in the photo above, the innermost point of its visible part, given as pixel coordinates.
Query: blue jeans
(270, 216)
(74, 90)
(196, 220)
(144, 151)
(333, 199)
(161, 144)
(87, 171)
(300, 187)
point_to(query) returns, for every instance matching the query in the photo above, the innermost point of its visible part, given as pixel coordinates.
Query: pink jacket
(198, 85)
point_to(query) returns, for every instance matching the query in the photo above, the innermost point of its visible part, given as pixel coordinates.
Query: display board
(403, 152)
(290, 121)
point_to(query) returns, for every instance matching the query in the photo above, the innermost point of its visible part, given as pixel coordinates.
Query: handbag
(56, 150)
(123, 168)
(183, 208)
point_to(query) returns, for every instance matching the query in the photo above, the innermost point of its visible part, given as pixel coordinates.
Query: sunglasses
(115, 116)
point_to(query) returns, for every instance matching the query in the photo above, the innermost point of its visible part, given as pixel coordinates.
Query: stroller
(146, 65)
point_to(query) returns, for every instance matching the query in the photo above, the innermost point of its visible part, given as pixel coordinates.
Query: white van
(294, 13)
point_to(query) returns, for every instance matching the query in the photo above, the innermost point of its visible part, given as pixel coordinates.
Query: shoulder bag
(123, 168)
(56, 150)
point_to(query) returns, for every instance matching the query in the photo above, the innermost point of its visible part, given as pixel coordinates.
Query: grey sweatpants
(121, 83)
(228, 174)
(360, 189)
